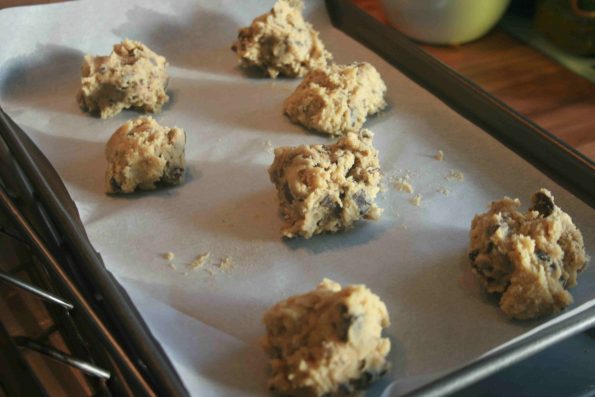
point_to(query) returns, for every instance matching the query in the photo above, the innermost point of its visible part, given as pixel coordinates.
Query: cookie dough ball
(132, 76)
(338, 99)
(327, 342)
(281, 42)
(530, 259)
(141, 154)
(327, 188)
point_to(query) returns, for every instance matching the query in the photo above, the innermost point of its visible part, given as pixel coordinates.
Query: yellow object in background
(448, 22)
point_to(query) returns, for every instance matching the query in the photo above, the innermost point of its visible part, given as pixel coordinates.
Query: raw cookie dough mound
(327, 188)
(281, 42)
(132, 76)
(327, 342)
(142, 153)
(338, 99)
(530, 259)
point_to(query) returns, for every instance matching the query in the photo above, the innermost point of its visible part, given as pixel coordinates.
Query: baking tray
(559, 161)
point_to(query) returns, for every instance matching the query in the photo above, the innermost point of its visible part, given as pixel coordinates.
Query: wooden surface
(525, 79)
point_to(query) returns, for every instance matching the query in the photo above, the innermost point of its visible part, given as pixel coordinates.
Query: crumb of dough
(403, 184)
(268, 146)
(443, 190)
(455, 175)
(172, 266)
(439, 155)
(200, 260)
(210, 271)
(169, 256)
(416, 200)
(225, 263)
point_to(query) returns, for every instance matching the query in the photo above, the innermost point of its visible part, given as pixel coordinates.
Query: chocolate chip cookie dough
(338, 99)
(132, 76)
(530, 259)
(281, 42)
(141, 154)
(327, 342)
(326, 188)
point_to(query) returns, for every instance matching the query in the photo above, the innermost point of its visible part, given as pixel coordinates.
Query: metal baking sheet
(208, 320)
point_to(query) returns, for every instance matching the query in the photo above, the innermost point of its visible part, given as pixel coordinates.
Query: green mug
(449, 22)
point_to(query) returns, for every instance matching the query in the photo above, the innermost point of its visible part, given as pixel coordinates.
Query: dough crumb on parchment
(455, 175)
(443, 190)
(203, 261)
(403, 184)
(416, 200)
(439, 155)
(225, 263)
(169, 256)
(200, 260)
(268, 146)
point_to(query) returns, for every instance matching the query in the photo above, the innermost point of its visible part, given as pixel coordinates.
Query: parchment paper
(208, 319)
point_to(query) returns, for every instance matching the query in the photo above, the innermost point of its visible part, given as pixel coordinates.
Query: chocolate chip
(543, 204)
(361, 200)
(563, 280)
(327, 202)
(116, 188)
(344, 323)
(244, 33)
(287, 194)
(490, 247)
(174, 174)
(492, 229)
(364, 381)
(542, 256)
(553, 266)
(276, 352)
(345, 389)
(473, 254)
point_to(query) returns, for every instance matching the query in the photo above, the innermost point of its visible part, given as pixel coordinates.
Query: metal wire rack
(45, 253)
